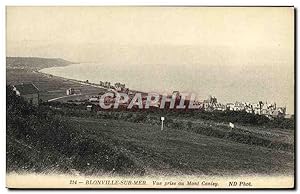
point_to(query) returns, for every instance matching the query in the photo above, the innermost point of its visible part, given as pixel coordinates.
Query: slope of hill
(39, 141)
(34, 63)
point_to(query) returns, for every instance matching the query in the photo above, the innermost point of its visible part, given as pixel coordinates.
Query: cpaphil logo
(114, 100)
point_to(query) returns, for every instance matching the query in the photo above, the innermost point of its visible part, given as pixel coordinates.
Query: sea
(227, 83)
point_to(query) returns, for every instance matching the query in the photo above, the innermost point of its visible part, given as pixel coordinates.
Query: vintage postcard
(150, 97)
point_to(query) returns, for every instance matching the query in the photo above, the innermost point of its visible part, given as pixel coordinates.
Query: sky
(241, 42)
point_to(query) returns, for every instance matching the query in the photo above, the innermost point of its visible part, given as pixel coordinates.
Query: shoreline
(71, 80)
(80, 81)
(134, 91)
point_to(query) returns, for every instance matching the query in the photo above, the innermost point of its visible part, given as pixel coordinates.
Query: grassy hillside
(177, 151)
(34, 63)
(40, 140)
(263, 135)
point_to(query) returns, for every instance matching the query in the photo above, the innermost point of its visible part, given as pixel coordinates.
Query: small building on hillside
(89, 107)
(70, 91)
(29, 92)
(94, 99)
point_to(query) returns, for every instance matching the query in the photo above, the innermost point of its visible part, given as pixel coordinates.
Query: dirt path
(53, 99)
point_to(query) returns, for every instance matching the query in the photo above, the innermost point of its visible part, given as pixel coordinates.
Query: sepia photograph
(150, 97)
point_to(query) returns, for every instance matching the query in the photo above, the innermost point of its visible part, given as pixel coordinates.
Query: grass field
(50, 86)
(174, 151)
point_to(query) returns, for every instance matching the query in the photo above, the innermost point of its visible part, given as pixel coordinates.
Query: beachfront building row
(211, 104)
(118, 87)
(260, 108)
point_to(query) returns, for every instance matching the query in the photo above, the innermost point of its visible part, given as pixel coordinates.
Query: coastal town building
(119, 87)
(107, 84)
(220, 107)
(238, 106)
(94, 99)
(230, 106)
(70, 91)
(270, 110)
(210, 104)
(248, 107)
(89, 107)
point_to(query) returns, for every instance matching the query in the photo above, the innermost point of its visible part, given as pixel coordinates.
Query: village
(270, 110)
(30, 92)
